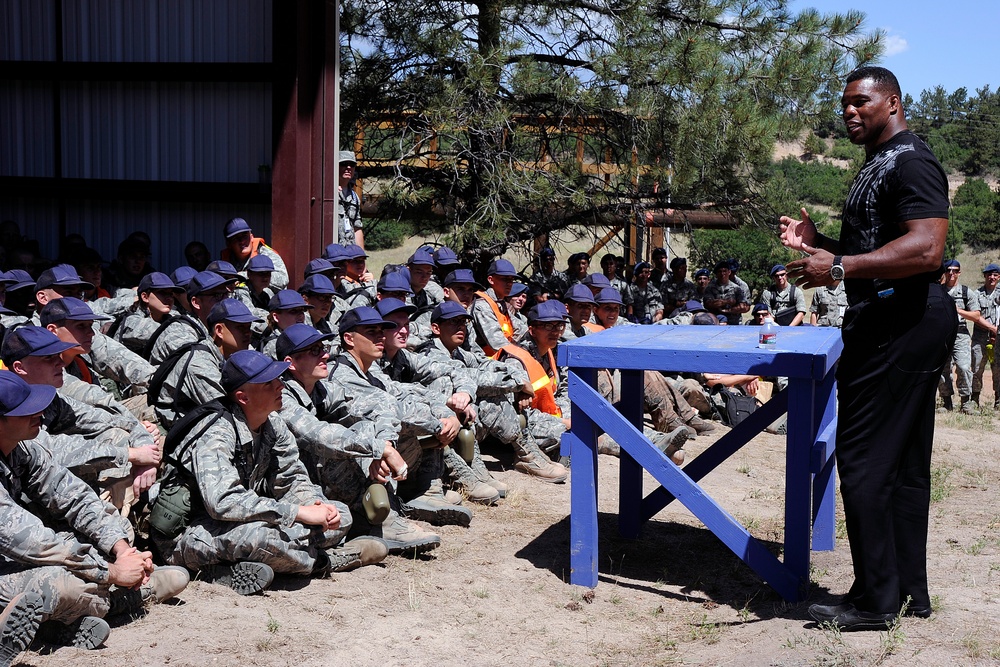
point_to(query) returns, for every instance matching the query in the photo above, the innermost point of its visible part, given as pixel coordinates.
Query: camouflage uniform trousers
(287, 549)
(979, 362)
(499, 418)
(665, 404)
(66, 596)
(695, 395)
(961, 359)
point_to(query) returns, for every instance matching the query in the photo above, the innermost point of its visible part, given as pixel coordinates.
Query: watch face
(837, 272)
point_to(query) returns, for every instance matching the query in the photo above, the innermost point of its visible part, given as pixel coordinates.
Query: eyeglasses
(316, 350)
(550, 326)
(954, 270)
(780, 275)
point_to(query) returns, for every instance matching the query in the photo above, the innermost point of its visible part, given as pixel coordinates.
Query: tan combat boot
(532, 461)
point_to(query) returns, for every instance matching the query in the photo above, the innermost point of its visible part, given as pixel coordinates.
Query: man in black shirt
(897, 333)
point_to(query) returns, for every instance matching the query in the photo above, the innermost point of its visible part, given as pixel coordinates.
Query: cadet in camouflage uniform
(984, 333)
(490, 332)
(426, 292)
(659, 273)
(242, 246)
(285, 309)
(194, 377)
(786, 302)
(967, 304)
(99, 360)
(255, 501)
(350, 230)
(503, 388)
(609, 269)
(63, 280)
(157, 297)
(256, 290)
(828, 306)
(71, 570)
(446, 381)
(204, 290)
(678, 290)
(515, 303)
(319, 292)
(342, 461)
(643, 298)
(545, 279)
(362, 334)
(724, 297)
(100, 443)
(357, 288)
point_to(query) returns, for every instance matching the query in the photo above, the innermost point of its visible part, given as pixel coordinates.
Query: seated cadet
(283, 310)
(607, 312)
(395, 285)
(643, 299)
(101, 360)
(726, 297)
(157, 296)
(504, 424)
(86, 570)
(445, 261)
(580, 304)
(426, 293)
(786, 302)
(197, 256)
(107, 442)
(242, 246)
(190, 376)
(336, 256)
(181, 276)
(446, 382)
(577, 268)
(344, 462)
(702, 281)
(371, 392)
(253, 509)
(489, 313)
(318, 292)
(609, 269)
(678, 290)
(515, 302)
(256, 290)
(204, 290)
(546, 279)
(502, 390)
(226, 270)
(88, 264)
(358, 287)
(63, 280)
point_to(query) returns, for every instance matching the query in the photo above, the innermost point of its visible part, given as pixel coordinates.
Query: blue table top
(802, 352)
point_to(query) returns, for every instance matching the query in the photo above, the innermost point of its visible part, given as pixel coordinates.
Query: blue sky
(953, 43)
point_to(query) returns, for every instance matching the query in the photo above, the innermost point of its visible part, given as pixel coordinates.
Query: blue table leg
(802, 429)
(630, 472)
(581, 443)
(824, 483)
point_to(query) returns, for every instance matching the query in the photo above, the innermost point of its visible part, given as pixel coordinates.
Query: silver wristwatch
(837, 270)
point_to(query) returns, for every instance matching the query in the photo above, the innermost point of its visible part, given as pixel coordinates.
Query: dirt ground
(497, 593)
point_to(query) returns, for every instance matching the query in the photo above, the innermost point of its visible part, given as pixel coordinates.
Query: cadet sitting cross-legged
(252, 509)
(86, 570)
(344, 461)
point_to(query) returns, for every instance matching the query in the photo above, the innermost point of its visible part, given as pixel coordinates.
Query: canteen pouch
(171, 511)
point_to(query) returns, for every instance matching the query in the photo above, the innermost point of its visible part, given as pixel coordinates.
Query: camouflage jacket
(181, 330)
(195, 379)
(242, 477)
(279, 277)
(373, 395)
(441, 375)
(314, 419)
(135, 329)
(487, 327)
(111, 359)
(492, 378)
(29, 473)
(830, 305)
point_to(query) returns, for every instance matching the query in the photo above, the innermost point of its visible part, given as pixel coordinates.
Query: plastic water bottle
(768, 339)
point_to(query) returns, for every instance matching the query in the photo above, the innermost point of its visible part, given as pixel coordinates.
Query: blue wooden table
(807, 356)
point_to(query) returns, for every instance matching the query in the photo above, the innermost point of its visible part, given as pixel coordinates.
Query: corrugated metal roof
(27, 30)
(26, 140)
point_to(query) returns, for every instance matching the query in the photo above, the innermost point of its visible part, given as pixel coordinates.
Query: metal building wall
(137, 130)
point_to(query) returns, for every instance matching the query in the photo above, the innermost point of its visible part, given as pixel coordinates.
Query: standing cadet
(785, 301)
(967, 304)
(829, 303)
(984, 334)
(350, 230)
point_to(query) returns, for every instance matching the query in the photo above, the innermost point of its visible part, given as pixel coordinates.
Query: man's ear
(51, 327)
(348, 339)
(435, 328)
(18, 368)
(241, 397)
(41, 298)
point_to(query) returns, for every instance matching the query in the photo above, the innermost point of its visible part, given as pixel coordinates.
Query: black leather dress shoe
(824, 613)
(918, 612)
(854, 619)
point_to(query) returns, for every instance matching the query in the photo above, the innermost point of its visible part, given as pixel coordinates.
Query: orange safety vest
(593, 328)
(255, 246)
(505, 324)
(544, 386)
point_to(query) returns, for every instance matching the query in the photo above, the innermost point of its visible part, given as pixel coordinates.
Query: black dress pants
(894, 349)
